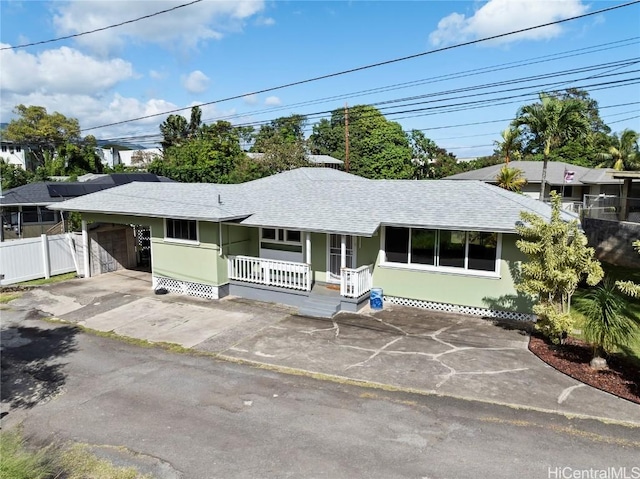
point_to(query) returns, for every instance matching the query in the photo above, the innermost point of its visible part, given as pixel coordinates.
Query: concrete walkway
(405, 348)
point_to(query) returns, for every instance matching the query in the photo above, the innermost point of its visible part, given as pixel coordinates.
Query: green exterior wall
(367, 250)
(319, 256)
(202, 263)
(196, 263)
(476, 291)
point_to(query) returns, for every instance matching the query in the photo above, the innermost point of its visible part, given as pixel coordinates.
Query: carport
(107, 246)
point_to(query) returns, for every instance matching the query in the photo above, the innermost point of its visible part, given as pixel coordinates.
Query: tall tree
(558, 259)
(623, 154)
(210, 157)
(378, 148)
(40, 131)
(510, 146)
(550, 122)
(429, 160)
(282, 143)
(175, 130)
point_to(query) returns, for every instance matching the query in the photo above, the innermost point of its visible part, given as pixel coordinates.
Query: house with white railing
(320, 239)
(578, 186)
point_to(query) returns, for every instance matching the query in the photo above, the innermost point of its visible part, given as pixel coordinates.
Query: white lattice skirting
(185, 287)
(454, 308)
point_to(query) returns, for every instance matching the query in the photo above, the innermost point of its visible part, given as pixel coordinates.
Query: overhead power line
(375, 65)
(42, 42)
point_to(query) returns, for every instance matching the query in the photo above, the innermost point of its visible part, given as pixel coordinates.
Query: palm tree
(552, 121)
(510, 145)
(510, 179)
(624, 153)
(607, 323)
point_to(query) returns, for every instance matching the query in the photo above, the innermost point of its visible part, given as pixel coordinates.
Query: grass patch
(74, 461)
(6, 297)
(54, 279)
(17, 462)
(80, 463)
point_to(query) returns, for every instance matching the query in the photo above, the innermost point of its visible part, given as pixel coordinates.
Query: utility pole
(346, 137)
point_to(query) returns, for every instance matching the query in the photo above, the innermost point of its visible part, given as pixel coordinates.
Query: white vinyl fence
(34, 258)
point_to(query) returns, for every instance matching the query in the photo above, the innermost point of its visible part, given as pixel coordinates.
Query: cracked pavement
(399, 347)
(430, 351)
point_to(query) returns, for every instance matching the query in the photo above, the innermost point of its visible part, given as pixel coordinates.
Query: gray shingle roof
(532, 171)
(322, 200)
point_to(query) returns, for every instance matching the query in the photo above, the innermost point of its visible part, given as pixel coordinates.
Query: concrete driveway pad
(438, 352)
(157, 321)
(432, 351)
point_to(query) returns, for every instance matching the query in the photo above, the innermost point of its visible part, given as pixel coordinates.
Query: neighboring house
(572, 182)
(15, 154)
(446, 245)
(24, 212)
(325, 161)
(113, 156)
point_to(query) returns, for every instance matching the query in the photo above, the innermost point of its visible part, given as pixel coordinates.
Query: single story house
(321, 239)
(24, 208)
(579, 186)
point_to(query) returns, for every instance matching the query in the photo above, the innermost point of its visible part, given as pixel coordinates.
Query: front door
(333, 275)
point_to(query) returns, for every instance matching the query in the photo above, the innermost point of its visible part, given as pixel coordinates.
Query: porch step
(320, 306)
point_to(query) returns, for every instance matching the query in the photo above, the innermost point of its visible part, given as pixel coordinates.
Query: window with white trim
(183, 230)
(446, 249)
(281, 235)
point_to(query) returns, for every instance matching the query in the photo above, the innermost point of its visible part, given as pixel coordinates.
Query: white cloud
(63, 70)
(186, 26)
(272, 101)
(195, 82)
(265, 21)
(94, 111)
(502, 16)
(156, 75)
(250, 99)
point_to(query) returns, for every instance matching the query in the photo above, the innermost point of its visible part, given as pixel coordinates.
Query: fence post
(46, 262)
(85, 250)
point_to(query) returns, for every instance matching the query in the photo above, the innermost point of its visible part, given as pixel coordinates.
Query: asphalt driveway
(400, 347)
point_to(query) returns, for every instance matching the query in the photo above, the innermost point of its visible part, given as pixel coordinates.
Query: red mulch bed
(621, 379)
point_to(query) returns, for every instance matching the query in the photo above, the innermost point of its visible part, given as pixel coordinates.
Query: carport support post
(85, 250)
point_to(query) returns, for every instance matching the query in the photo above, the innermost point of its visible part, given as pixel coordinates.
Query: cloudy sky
(213, 50)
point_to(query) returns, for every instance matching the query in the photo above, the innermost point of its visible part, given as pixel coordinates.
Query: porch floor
(324, 289)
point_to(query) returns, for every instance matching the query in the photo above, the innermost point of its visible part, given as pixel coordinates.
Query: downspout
(220, 236)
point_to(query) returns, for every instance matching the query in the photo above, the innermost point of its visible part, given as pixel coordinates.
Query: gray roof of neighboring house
(322, 200)
(316, 159)
(532, 171)
(45, 193)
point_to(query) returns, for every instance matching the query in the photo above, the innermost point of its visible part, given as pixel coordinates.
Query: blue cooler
(376, 299)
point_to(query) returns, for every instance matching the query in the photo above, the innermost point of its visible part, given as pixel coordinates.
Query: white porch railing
(271, 272)
(355, 282)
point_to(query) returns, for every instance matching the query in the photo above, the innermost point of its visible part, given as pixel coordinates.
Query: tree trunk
(543, 182)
